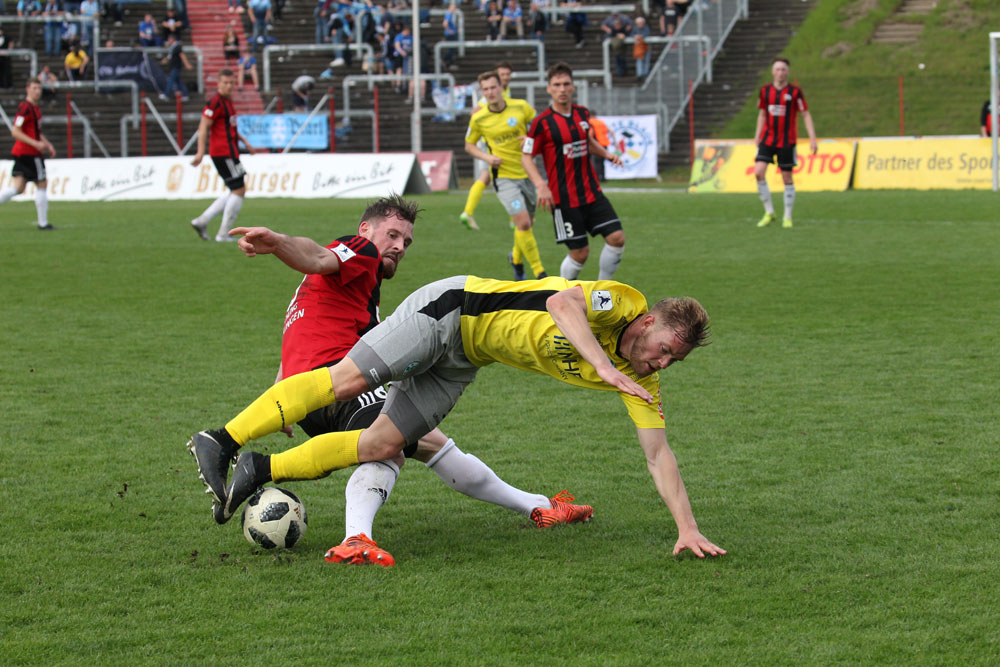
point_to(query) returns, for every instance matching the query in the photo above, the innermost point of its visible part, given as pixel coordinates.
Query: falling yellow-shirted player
(503, 123)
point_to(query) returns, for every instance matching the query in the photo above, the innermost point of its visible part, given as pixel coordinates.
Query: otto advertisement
(938, 163)
(728, 166)
(351, 175)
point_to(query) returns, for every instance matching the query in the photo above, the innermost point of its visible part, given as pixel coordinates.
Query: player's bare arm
(542, 192)
(761, 119)
(203, 126)
(811, 129)
(298, 252)
(568, 308)
(662, 466)
(478, 153)
(602, 152)
(250, 149)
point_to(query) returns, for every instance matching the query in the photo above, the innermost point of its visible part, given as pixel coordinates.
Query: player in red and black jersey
(985, 121)
(563, 137)
(27, 153)
(218, 129)
(334, 305)
(780, 104)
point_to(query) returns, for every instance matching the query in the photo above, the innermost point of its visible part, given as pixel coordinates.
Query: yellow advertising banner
(727, 166)
(939, 163)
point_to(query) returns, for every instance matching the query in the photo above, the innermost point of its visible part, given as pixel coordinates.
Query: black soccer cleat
(250, 473)
(518, 268)
(213, 463)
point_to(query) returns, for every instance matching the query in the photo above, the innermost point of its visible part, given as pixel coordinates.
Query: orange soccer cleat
(359, 550)
(562, 511)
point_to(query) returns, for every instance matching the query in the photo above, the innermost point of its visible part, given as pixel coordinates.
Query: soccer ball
(274, 518)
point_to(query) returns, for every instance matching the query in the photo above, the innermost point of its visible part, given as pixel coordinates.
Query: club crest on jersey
(584, 125)
(410, 367)
(600, 300)
(512, 121)
(344, 253)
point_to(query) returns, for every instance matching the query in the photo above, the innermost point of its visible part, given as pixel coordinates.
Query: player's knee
(616, 238)
(239, 192)
(580, 255)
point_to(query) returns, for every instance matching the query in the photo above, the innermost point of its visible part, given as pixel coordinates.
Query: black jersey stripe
(555, 132)
(444, 304)
(477, 303)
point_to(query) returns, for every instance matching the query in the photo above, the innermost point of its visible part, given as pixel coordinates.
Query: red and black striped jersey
(329, 313)
(29, 120)
(562, 141)
(222, 139)
(986, 118)
(781, 108)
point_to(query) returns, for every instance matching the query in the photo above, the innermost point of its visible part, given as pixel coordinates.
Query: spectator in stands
(91, 10)
(260, 17)
(177, 60)
(76, 62)
(235, 6)
(450, 25)
(147, 32)
(172, 25)
(301, 87)
(512, 14)
(403, 50)
(112, 9)
(6, 77)
(29, 7)
(53, 27)
(69, 31)
(537, 22)
(617, 27)
(640, 50)
(385, 58)
(493, 19)
(668, 19)
(47, 79)
(321, 14)
(247, 66)
(230, 43)
(341, 33)
(575, 23)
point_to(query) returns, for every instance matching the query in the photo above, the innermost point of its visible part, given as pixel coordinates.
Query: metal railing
(362, 49)
(99, 87)
(161, 121)
(459, 23)
(539, 48)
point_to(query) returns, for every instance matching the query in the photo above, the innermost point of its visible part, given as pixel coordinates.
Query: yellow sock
(525, 240)
(515, 254)
(282, 404)
(475, 194)
(317, 457)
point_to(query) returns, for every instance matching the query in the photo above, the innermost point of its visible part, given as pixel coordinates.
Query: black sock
(229, 446)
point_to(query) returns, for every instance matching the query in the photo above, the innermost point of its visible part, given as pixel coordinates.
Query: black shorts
(350, 415)
(30, 167)
(299, 101)
(786, 156)
(572, 224)
(231, 171)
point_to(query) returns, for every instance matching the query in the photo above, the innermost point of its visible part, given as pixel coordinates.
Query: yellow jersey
(507, 322)
(503, 131)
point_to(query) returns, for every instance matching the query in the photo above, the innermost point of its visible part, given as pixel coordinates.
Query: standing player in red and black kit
(335, 304)
(563, 136)
(776, 134)
(29, 143)
(218, 126)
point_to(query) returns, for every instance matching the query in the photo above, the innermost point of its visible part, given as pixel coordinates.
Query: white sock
(42, 206)
(233, 206)
(467, 474)
(570, 268)
(214, 209)
(765, 197)
(366, 491)
(7, 193)
(611, 257)
(789, 200)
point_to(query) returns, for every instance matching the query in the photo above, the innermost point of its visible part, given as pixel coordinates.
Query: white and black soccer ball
(274, 518)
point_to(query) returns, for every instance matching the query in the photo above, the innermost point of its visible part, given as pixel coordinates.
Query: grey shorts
(419, 349)
(517, 195)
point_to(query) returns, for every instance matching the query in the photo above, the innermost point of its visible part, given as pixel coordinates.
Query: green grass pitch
(839, 438)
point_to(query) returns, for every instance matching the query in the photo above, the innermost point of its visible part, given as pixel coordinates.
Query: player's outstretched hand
(544, 197)
(698, 544)
(256, 240)
(624, 383)
(197, 160)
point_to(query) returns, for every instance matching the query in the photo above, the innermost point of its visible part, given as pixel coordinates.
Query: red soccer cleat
(359, 550)
(562, 511)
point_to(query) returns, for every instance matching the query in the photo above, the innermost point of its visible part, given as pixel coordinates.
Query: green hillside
(852, 85)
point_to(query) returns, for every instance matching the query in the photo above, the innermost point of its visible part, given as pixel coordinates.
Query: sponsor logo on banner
(276, 130)
(927, 163)
(728, 166)
(633, 139)
(360, 175)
